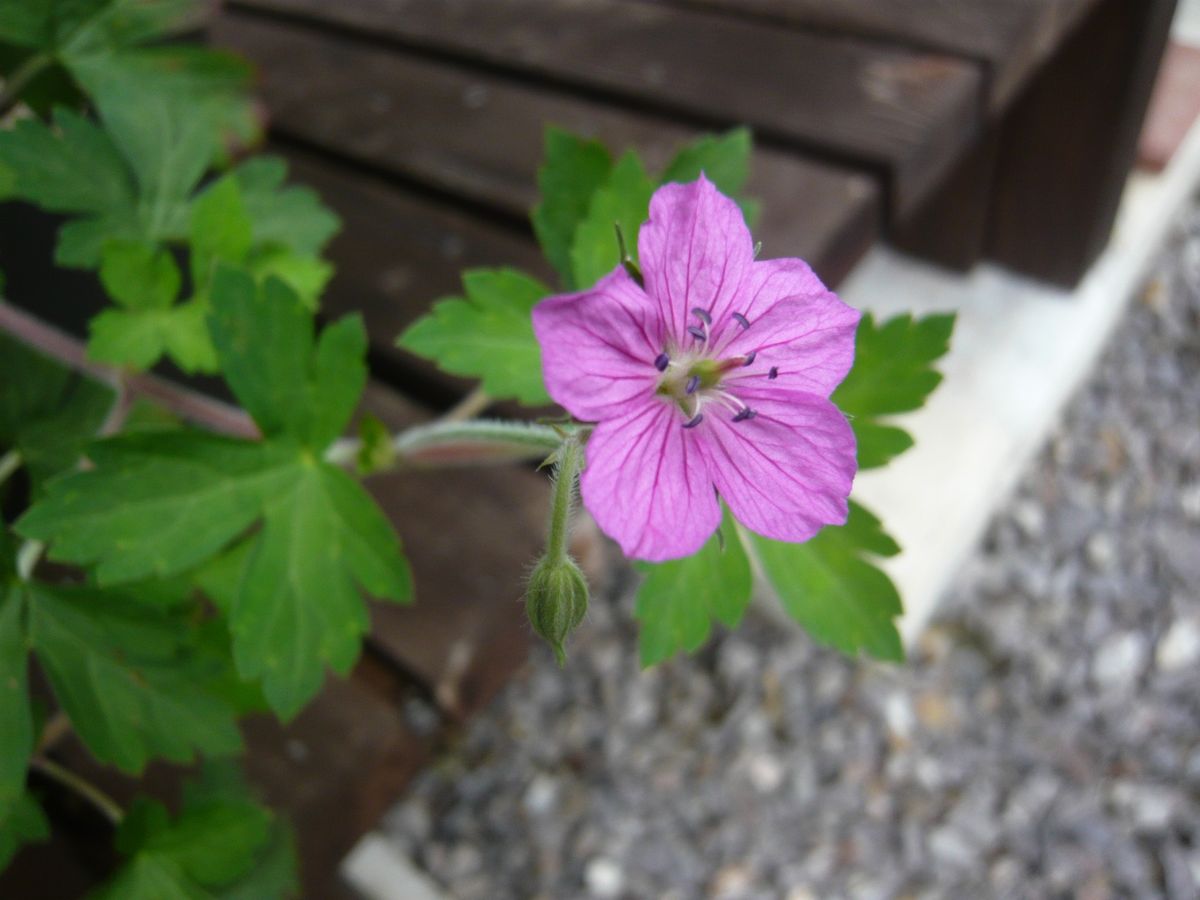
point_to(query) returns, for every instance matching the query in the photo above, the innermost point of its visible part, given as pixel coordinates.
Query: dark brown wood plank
(396, 254)
(1013, 37)
(903, 112)
(466, 633)
(480, 137)
(950, 227)
(1069, 142)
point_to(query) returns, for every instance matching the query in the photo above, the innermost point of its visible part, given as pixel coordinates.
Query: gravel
(1044, 740)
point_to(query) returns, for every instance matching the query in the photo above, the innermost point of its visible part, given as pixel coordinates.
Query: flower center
(692, 379)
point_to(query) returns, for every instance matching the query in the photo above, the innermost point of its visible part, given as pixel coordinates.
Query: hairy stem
(9, 463)
(80, 786)
(451, 443)
(570, 460)
(27, 558)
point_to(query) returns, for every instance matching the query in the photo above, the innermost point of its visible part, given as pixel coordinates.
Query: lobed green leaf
(830, 587)
(678, 600)
(574, 169)
(893, 373)
(488, 334)
(126, 678)
(623, 200)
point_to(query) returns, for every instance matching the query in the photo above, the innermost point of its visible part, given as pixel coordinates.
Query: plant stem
(81, 786)
(570, 460)
(450, 443)
(20, 77)
(27, 558)
(9, 463)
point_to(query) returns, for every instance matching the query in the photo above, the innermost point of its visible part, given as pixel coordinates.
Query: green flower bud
(556, 601)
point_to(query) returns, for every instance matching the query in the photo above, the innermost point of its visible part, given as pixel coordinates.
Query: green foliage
(623, 200)
(158, 503)
(725, 161)
(678, 600)
(830, 587)
(23, 822)
(47, 413)
(16, 716)
(573, 171)
(487, 334)
(893, 373)
(128, 676)
(111, 47)
(221, 845)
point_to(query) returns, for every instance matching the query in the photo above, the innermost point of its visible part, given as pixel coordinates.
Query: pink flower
(713, 379)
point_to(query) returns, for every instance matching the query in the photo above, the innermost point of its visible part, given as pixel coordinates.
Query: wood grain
(906, 113)
(1070, 140)
(480, 137)
(1012, 37)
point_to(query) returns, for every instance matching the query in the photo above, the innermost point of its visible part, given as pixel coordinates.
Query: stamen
(744, 414)
(697, 333)
(661, 362)
(774, 373)
(740, 319)
(750, 358)
(692, 384)
(696, 420)
(702, 315)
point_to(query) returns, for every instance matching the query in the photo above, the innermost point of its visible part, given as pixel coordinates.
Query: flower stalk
(455, 443)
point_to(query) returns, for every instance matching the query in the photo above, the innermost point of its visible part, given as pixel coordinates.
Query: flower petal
(787, 472)
(647, 485)
(598, 347)
(694, 251)
(808, 341)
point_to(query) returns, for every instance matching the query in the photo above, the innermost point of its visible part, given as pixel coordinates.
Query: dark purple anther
(692, 384)
(702, 315)
(750, 358)
(661, 362)
(774, 373)
(744, 414)
(699, 417)
(741, 320)
(697, 333)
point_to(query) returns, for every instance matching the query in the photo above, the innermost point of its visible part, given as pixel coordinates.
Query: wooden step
(905, 113)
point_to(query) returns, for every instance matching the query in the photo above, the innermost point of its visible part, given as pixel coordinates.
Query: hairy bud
(556, 601)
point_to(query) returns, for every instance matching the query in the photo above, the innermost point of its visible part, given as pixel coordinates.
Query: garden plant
(163, 579)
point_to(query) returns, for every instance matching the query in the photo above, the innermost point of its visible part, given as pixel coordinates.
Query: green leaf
(487, 335)
(160, 503)
(829, 586)
(292, 217)
(138, 276)
(623, 200)
(22, 823)
(126, 678)
(725, 161)
(220, 230)
(222, 844)
(291, 386)
(16, 715)
(678, 600)
(574, 169)
(151, 877)
(879, 444)
(893, 373)
(73, 168)
(139, 338)
(47, 412)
